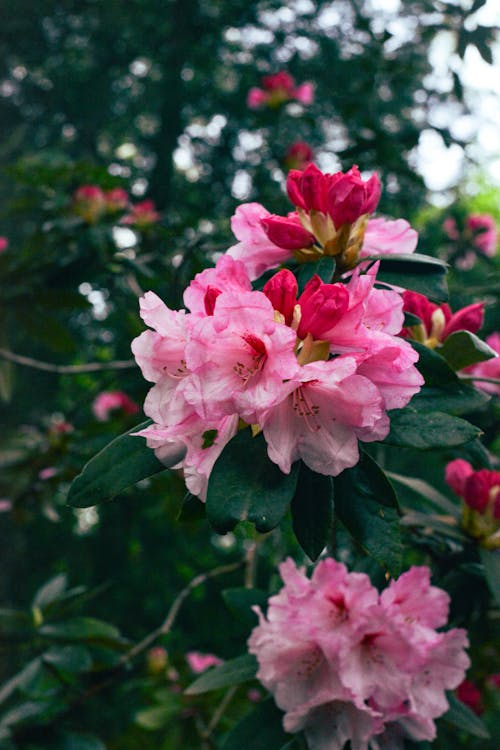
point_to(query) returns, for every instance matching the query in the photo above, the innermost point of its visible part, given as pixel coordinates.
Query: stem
(251, 565)
(118, 364)
(219, 711)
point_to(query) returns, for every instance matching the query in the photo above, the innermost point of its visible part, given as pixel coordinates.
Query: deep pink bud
(4, 244)
(481, 488)
(116, 199)
(281, 80)
(456, 474)
(299, 155)
(287, 232)
(469, 318)
(304, 93)
(469, 694)
(256, 98)
(349, 197)
(307, 189)
(89, 193)
(281, 291)
(322, 305)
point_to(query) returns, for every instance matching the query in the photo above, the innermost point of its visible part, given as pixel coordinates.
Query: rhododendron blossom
(109, 401)
(142, 215)
(332, 217)
(480, 491)
(348, 664)
(278, 89)
(484, 233)
(315, 372)
(298, 156)
(438, 322)
(89, 202)
(116, 199)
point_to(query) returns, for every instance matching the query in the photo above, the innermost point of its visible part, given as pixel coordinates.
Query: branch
(19, 359)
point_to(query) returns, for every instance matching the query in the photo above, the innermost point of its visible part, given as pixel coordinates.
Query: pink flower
(348, 664)
(277, 89)
(484, 233)
(109, 401)
(456, 474)
(116, 199)
(228, 275)
(199, 662)
(470, 694)
(480, 491)
(287, 232)
(89, 202)
(4, 244)
(388, 237)
(48, 473)
(488, 369)
(438, 322)
(142, 215)
(298, 156)
(450, 228)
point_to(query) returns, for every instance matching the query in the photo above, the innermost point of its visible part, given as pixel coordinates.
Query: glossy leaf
(86, 629)
(68, 659)
(312, 511)
(122, 463)
(50, 591)
(417, 272)
(261, 729)
(241, 600)
(324, 268)
(491, 563)
(462, 717)
(233, 672)
(412, 429)
(426, 490)
(367, 505)
(245, 485)
(464, 348)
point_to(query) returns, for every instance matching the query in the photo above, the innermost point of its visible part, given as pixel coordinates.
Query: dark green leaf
(85, 629)
(433, 366)
(421, 273)
(430, 521)
(246, 485)
(233, 672)
(156, 717)
(68, 659)
(454, 398)
(413, 429)
(21, 679)
(424, 489)
(50, 591)
(192, 509)
(463, 348)
(312, 511)
(367, 505)
(122, 463)
(462, 717)
(491, 563)
(411, 320)
(261, 729)
(241, 600)
(324, 268)
(72, 741)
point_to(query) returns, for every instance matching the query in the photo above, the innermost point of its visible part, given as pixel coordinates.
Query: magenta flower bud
(116, 199)
(281, 291)
(456, 474)
(4, 244)
(307, 189)
(322, 306)
(469, 318)
(256, 98)
(281, 80)
(287, 232)
(298, 156)
(349, 197)
(482, 489)
(470, 694)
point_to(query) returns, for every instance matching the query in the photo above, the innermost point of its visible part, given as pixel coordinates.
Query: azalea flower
(347, 664)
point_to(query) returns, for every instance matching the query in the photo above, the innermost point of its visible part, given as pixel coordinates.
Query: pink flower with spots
(110, 401)
(348, 664)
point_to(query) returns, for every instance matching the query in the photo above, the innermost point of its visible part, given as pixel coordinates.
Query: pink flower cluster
(438, 322)
(91, 203)
(278, 89)
(348, 664)
(315, 372)
(109, 401)
(332, 217)
(480, 230)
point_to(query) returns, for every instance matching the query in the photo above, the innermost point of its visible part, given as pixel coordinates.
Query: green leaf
(421, 273)
(86, 629)
(424, 489)
(491, 563)
(462, 717)
(73, 741)
(367, 505)
(21, 679)
(241, 600)
(432, 366)
(233, 672)
(156, 717)
(68, 659)
(122, 463)
(261, 729)
(412, 429)
(312, 511)
(411, 320)
(429, 521)
(50, 591)
(454, 398)
(246, 486)
(192, 509)
(463, 348)
(324, 268)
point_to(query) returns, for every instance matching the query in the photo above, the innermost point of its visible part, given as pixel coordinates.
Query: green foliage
(232, 672)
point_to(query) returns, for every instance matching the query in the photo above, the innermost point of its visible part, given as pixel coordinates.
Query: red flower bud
(287, 232)
(281, 291)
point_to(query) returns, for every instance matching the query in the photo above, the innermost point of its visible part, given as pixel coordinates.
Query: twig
(117, 364)
(219, 711)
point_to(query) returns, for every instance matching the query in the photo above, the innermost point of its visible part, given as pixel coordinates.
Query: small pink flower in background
(470, 694)
(480, 491)
(89, 202)
(109, 401)
(142, 215)
(484, 233)
(47, 473)
(5, 505)
(298, 156)
(346, 663)
(278, 89)
(493, 680)
(438, 322)
(61, 427)
(116, 199)
(254, 695)
(200, 662)
(450, 228)
(4, 244)
(488, 369)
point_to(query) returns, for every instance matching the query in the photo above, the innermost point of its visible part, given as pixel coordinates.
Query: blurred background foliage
(150, 96)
